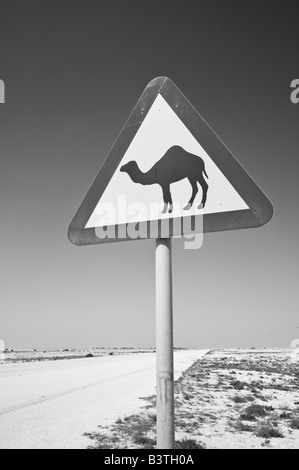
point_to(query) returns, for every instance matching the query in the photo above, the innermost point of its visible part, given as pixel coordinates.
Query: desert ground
(224, 399)
(229, 399)
(56, 404)
(41, 355)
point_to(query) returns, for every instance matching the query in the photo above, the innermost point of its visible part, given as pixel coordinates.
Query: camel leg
(205, 188)
(166, 192)
(167, 200)
(170, 209)
(194, 192)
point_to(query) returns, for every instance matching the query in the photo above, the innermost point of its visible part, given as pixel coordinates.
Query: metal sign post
(164, 345)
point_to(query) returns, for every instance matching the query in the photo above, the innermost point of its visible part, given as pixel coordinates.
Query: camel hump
(176, 149)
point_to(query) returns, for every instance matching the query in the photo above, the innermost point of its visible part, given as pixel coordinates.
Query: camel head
(130, 168)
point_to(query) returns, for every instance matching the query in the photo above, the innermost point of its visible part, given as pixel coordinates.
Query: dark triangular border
(261, 209)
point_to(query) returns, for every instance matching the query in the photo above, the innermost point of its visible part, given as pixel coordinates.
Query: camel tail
(204, 172)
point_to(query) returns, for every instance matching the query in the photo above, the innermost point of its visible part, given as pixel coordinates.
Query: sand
(224, 399)
(230, 399)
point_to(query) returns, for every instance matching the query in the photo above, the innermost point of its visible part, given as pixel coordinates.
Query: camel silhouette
(175, 165)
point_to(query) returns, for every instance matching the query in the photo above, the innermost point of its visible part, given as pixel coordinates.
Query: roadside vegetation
(228, 399)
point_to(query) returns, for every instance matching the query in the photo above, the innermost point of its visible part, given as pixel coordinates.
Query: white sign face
(123, 198)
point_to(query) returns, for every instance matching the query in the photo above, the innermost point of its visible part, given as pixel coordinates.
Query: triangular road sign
(167, 164)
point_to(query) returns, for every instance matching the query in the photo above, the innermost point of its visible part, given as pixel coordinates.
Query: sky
(73, 71)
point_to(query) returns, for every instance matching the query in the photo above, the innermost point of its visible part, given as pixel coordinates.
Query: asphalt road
(50, 405)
